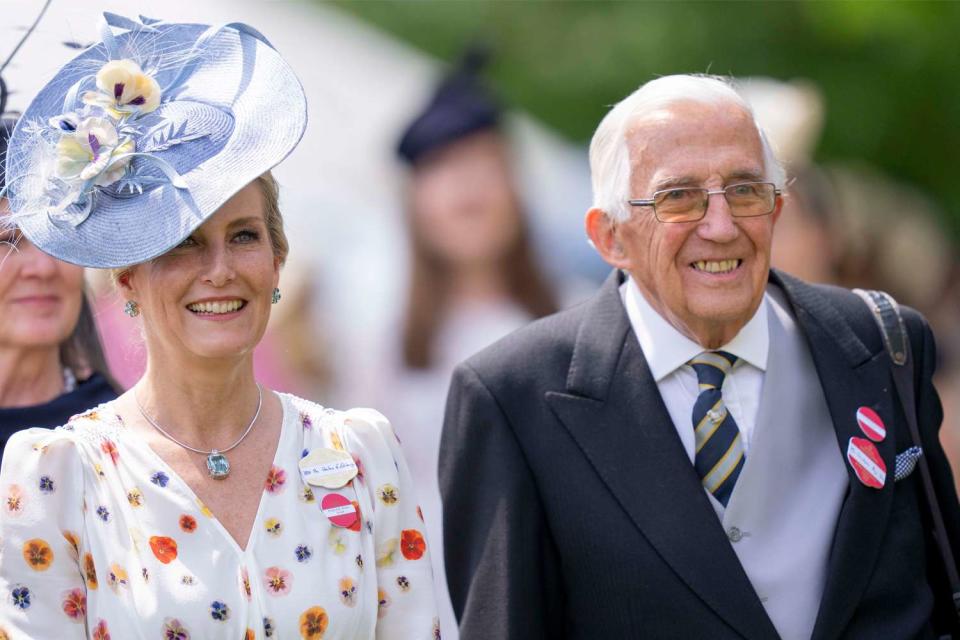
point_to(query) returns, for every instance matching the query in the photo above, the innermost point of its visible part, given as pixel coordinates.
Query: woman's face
(463, 201)
(40, 296)
(210, 296)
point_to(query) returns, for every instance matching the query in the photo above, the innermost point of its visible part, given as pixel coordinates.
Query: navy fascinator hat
(143, 136)
(461, 106)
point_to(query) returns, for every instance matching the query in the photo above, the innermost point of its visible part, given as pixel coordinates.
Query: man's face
(706, 278)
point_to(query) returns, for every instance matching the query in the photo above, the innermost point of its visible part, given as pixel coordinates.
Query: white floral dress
(101, 539)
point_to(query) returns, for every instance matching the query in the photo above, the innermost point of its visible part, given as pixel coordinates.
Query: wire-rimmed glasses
(689, 204)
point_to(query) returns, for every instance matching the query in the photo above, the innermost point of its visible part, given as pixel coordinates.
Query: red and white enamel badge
(338, 510)
(866, 462)
(871, 424)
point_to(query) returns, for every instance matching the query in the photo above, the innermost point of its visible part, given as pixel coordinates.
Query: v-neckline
(188, 491)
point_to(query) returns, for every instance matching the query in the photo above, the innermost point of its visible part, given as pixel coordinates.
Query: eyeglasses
(689, 204)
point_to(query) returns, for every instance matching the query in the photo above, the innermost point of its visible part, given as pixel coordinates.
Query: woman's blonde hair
(270, 189)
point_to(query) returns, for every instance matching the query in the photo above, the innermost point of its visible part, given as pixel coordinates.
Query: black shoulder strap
(886, 312)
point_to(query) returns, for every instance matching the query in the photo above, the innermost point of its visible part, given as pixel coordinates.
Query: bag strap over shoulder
(886, 312)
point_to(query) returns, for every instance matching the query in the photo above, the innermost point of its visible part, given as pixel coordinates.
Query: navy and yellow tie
(720, 457)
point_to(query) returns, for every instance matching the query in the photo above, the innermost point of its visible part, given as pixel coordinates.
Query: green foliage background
(890, 71)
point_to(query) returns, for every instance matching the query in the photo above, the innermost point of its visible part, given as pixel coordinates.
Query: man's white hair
(610, 157)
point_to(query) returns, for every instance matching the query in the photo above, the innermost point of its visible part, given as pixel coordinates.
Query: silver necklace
(217, 464)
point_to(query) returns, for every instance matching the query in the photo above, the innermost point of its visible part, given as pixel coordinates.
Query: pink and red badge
(871, 424)
(866, 462)
(338, 509)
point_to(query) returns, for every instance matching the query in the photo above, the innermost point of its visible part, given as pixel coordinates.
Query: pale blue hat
(142, 137)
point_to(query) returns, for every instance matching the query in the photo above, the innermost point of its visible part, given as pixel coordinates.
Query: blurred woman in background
(473, 277)
(51, 362)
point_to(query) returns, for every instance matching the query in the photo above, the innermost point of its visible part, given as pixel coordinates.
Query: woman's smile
(219, 309)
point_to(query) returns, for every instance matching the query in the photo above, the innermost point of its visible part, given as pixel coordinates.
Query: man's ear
(778, 207)
(605, 237)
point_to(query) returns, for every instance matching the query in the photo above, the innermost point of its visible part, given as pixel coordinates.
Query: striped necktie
(720, 457)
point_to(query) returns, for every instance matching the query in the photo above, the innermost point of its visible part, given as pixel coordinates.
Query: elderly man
(683, 455)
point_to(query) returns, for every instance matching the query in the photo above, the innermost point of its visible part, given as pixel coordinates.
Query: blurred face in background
(210, 296)
(463, 201)
(40, 296)
(802, 245)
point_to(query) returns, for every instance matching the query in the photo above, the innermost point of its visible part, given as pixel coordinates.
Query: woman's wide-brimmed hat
(142, 137)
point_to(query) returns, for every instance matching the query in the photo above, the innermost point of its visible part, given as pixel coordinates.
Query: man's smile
(717, 266)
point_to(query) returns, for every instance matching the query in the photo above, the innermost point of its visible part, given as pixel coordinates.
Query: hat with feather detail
(138, 140)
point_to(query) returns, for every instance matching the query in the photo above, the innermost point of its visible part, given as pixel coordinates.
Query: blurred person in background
(851, 225)
(792, 115)
(473, 277)
(889, 236)
(51, 362)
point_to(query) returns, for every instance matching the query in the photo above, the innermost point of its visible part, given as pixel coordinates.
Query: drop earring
(276, 296)
(132, 309)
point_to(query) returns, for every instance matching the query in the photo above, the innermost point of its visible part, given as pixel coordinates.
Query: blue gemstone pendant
(218, 465)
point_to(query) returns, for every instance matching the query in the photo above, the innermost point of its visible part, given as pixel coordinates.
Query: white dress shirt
(667, 352)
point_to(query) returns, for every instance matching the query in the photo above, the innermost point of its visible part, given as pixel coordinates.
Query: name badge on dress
(339, 510)
(328, 468)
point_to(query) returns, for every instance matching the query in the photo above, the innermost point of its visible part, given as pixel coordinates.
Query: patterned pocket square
(906, 462)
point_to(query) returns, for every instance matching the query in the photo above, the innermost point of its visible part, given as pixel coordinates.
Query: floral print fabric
(100, 539)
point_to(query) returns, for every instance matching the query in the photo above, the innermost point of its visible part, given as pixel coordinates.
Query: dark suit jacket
(572, 511)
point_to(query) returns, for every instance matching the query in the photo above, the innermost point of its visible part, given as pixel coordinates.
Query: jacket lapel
(851, 377)
(613, 409)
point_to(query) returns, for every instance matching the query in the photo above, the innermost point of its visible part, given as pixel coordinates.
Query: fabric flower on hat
(124, 88)
(93, 153)
(68, 122)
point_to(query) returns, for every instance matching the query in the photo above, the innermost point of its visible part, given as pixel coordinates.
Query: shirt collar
(666, 349)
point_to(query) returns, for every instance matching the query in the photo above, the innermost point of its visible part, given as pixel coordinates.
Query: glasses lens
(679, 205)
(751, 198)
